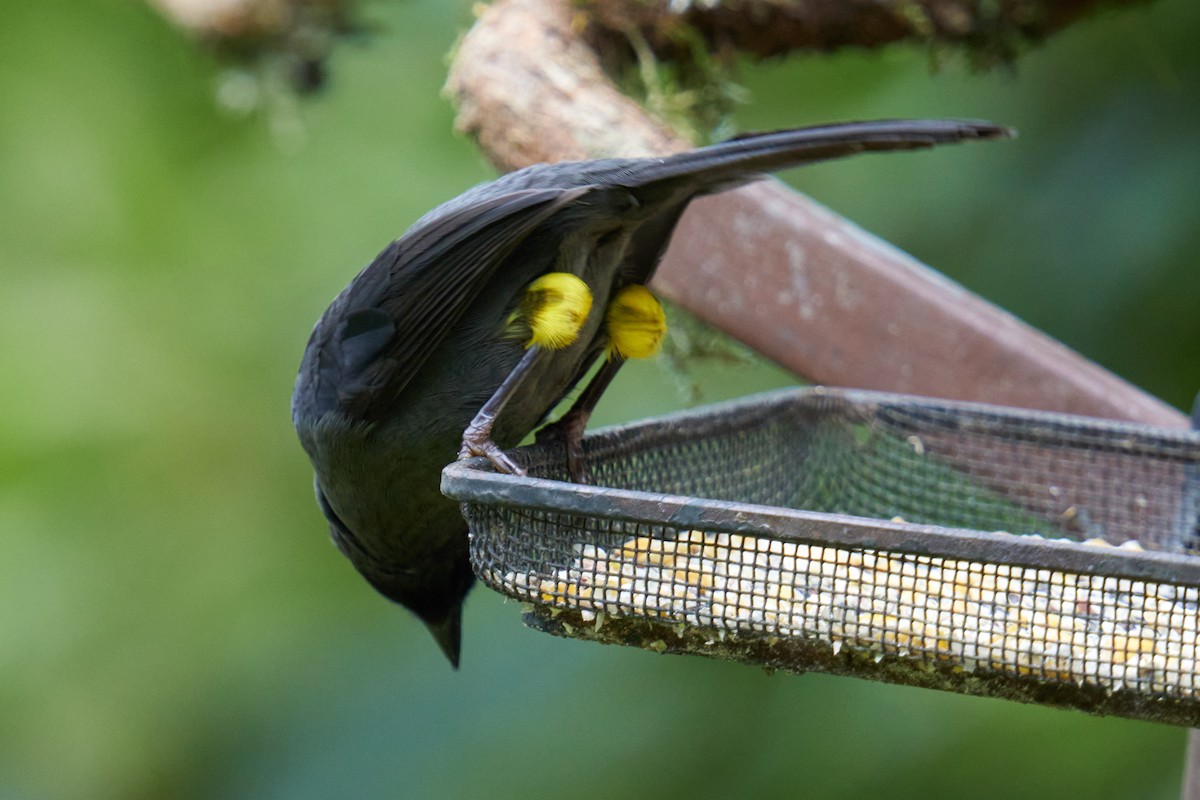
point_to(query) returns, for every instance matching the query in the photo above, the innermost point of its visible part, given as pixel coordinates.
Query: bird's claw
(492, 452)
(569, 432)
(477, 441)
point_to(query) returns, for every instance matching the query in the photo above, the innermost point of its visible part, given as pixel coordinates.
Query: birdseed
(1110, 632)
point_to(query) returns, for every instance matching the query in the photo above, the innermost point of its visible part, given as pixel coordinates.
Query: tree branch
(765, 28)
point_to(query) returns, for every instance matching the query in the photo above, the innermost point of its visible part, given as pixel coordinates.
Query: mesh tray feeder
(990, 551)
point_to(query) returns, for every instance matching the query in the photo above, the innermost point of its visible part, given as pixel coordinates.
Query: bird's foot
(569, 431)
(492, 452)
(477, 441)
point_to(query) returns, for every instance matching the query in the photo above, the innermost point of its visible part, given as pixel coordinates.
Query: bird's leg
(551, 312)
(477, 438)
(569, 428)
(635, 324)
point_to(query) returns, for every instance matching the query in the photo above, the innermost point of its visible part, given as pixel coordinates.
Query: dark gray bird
(421, 339)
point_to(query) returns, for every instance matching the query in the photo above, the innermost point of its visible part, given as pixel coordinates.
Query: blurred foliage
(173, 620)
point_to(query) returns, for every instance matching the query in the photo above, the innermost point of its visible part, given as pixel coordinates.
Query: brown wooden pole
(836, 305)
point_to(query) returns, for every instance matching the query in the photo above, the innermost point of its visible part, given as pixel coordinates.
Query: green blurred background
(173, 620)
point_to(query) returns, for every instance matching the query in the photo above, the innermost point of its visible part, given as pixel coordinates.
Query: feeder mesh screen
(850, 608)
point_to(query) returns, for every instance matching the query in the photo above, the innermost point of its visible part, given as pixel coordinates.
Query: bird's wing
(384, 326)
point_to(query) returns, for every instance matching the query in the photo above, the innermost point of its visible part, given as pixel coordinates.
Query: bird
(463, 334)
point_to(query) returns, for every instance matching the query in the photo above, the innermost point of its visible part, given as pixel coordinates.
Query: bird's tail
(735, 161)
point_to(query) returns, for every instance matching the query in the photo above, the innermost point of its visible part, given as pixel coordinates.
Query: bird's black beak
(448, 634)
